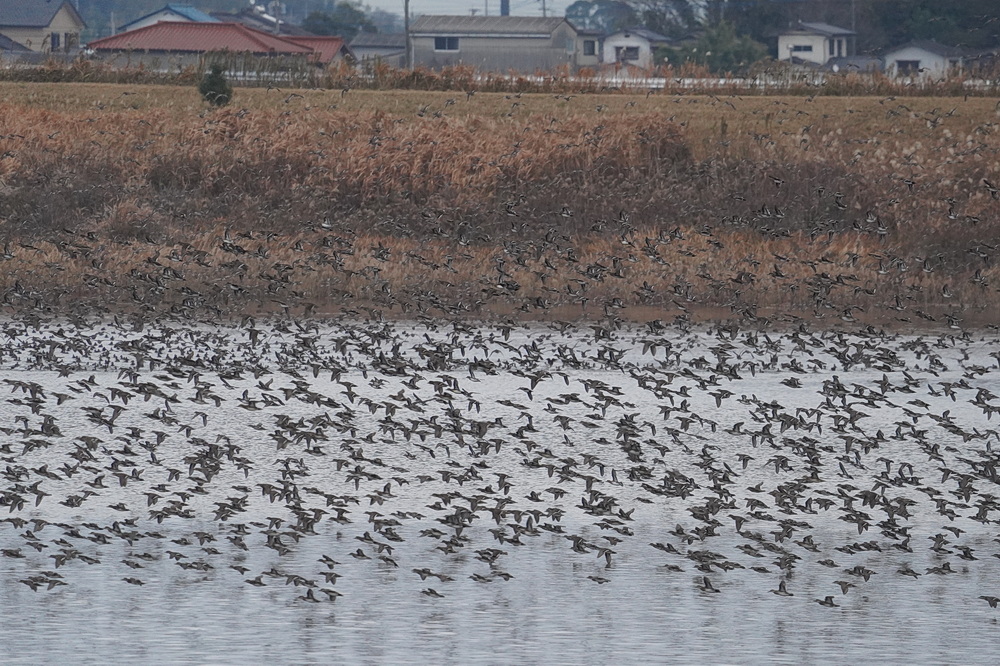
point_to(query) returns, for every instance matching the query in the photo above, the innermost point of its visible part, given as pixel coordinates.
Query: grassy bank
(140, 198)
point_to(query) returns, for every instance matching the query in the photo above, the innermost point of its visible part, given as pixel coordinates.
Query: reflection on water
(410, 493)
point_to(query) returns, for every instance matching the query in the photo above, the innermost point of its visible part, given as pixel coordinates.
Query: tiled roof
(824, 29)
(930, 46)
(326, 48)
(198, 38)
(187, 12)
(483, 25)
(251, 19)
(191, 13)
(9, 45)
(379, 39)
(648, 35)
(32, 13)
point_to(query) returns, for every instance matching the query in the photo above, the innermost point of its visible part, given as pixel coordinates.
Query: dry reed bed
(356, 159)
(493, 204)
(767, 78)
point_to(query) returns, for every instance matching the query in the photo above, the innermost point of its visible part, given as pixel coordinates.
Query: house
(923, 57)
(635, 46)
(981, 63)
(171, 45)
(856, 64)
(325, 49)
(254, 17)
(42, 26)
(11, 49)
(501, 43)
(170, 12)
(815, 43)
(389, 48)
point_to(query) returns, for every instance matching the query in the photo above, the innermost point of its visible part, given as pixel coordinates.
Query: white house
(41, 26)
(815, 43)
(169, 12)
(633, 47)
(923, 58)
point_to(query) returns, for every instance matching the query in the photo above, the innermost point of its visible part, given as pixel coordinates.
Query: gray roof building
(31, 13)
(490, 26)
(43, 26)
(501, 43)
(824, 29)
(388, 48)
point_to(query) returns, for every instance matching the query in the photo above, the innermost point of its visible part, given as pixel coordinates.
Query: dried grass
(414, 202)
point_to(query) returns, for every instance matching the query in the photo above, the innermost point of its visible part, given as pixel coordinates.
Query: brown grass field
(129, 199)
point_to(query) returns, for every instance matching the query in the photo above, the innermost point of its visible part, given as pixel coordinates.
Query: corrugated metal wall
(499, 54)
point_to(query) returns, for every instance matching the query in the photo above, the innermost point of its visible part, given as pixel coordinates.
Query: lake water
(417, 492)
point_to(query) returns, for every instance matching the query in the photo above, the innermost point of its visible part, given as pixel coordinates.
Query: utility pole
(854, 29)
(406, 29)
(544, 13)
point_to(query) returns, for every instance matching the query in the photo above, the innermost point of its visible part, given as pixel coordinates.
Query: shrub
(214, 87)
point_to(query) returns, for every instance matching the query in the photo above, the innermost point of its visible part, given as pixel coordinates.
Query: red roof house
(189, 37)
(327, 49)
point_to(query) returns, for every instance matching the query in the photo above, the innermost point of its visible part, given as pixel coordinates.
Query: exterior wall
(820, 48)
(239, 66)
(390, 56)
(935, 64)
(499, 54)
(588, 60)
(156, 62)
(620, 40)
(37, 39)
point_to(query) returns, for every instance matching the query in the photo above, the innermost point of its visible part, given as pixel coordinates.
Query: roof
(198, 38)
(33, 13)
(326, 48)
(855, 63)
(930, 46)
(9, 45)
(186, 12)
(824, 29)
(486, 25)
(257, 21)
(648, 35)
(393, 40)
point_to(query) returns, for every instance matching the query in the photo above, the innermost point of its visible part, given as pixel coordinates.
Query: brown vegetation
(141, 198)
(767, 77)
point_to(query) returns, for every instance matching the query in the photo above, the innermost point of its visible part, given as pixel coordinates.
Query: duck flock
(439, 454)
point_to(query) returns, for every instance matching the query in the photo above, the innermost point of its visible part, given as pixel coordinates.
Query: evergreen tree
(720, 49)
(346, 20)
(605, 15)
(214, 87)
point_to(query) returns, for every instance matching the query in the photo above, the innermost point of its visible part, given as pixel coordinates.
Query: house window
(623, 53)
(54, 41)
(68, 40)
(907, 67)
(589, 47)
(446, 43)
(833, 47)
(802, 48)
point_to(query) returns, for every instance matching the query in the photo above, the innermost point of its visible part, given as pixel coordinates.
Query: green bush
(719, 49)
(214, 87)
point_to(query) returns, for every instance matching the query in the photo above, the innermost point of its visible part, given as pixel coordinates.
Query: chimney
(504, 7)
